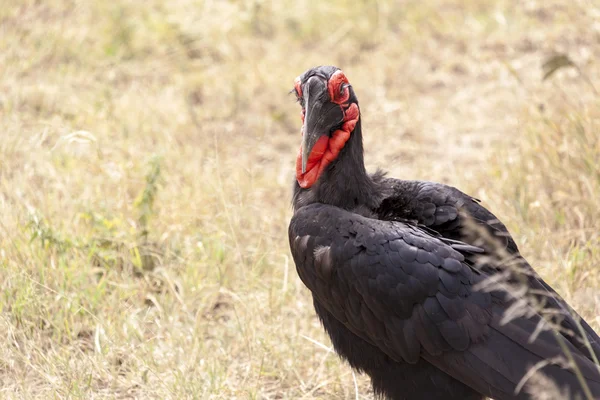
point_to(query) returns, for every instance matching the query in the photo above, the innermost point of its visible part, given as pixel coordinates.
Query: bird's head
(329, 114)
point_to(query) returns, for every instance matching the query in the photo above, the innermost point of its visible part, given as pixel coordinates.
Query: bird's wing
(447, 211)
(442, 208)
(412, 295)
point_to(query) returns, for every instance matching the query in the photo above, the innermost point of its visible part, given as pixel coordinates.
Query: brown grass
(146, 160)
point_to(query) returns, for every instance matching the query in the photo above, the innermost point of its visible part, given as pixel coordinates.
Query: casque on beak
(321, 115)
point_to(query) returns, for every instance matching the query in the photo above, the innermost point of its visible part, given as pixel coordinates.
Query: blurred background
(147, 157)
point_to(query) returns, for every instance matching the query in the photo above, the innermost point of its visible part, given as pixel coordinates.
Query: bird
(412, 280)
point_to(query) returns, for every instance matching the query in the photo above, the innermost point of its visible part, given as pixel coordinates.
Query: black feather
(400, 300)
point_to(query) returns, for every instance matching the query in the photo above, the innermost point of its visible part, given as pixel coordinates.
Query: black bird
(397, 280)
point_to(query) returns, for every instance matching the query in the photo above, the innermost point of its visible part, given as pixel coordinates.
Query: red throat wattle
(326, 149)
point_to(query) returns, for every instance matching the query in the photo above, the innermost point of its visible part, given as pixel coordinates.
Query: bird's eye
(338, 87)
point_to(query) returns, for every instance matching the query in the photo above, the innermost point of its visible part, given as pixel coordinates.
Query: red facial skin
(334, 85)
(328, 148)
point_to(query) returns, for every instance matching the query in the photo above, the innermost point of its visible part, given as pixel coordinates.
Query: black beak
(321, 115)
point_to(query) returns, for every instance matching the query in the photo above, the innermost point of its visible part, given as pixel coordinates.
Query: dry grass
(146, 156)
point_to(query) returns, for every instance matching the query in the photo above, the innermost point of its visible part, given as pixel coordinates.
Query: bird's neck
(344, 183)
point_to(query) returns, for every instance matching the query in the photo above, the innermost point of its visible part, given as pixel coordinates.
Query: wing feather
(413, 296)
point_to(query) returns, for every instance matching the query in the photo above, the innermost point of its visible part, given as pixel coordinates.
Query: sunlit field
(147, 156)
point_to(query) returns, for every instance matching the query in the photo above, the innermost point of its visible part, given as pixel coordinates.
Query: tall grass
(552, 182)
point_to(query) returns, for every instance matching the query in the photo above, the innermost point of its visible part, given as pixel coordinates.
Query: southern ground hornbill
(399, 283)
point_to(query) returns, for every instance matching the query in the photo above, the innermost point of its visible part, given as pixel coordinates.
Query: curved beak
(321, 115)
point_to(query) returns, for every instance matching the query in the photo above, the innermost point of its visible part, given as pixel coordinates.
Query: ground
(146, 161)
